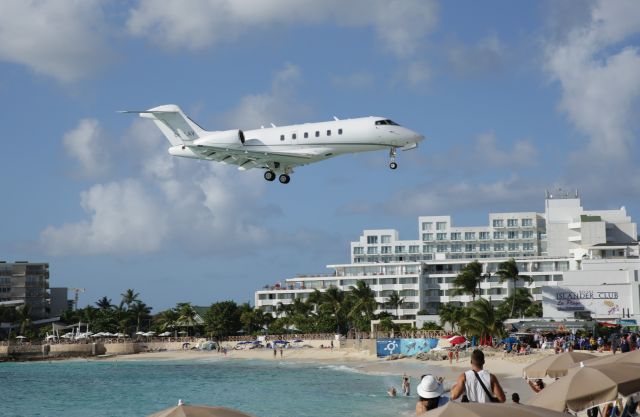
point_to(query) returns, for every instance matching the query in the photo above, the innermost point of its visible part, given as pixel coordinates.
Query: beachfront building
(546, 246)
(25, 282)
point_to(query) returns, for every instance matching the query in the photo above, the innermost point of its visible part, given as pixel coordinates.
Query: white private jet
(279, 149)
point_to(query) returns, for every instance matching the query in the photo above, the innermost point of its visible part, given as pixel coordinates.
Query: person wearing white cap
(430, 391)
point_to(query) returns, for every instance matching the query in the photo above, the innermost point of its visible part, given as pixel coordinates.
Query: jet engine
(226, 137)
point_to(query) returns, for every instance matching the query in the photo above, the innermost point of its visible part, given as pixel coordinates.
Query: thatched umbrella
(589, 386)
(628, 357)
(555, 366)
(458, 409)
(199, 411)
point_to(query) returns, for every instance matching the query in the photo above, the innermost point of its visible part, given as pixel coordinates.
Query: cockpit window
(386, 122)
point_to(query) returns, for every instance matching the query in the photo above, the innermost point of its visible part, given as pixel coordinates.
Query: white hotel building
(565, 237)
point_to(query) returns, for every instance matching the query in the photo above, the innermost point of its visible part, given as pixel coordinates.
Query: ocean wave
(342, 368)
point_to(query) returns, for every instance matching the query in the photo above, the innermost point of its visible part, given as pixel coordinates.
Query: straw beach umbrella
(628, 357)
(199, 411)
(588, 386)
(555, 366)
(458, 409)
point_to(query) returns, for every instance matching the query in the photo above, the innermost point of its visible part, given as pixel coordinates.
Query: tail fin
(174, 124)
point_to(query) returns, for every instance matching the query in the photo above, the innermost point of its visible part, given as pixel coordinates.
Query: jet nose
(418, 137)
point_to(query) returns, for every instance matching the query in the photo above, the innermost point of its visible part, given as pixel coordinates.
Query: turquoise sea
(265, 389)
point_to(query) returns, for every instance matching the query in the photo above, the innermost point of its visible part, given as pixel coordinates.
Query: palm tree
(129, 297)
(521, 299)
(395, 301)
(186, 315)
(469, 279)
(104, 303)
(450, 313)
(508, 270)
(481, 320)
(334, 302)
(363, 303)
(138, 311)
(315, 299)
(167, 319)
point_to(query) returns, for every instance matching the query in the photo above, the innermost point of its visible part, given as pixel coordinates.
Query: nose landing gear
(392, 156)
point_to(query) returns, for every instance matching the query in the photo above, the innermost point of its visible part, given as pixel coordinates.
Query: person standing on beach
(479, 385)
(275, 351)
(281, 351)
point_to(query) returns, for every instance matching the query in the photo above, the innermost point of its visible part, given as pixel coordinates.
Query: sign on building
(601, 301)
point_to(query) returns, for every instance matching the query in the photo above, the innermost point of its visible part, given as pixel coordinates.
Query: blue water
(265, 389)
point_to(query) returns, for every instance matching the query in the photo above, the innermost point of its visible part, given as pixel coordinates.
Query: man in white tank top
(469, 383)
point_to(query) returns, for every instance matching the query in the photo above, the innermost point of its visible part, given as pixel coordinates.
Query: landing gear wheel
(284, 178)
(269, 175)
(393, 165)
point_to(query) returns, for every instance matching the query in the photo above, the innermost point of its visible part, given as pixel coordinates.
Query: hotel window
(527, 246)
(427, 236)
(385, 239)
(484, 235)
(512, 235)
(427, 248)
(512, 222)
(339, 131)
(281, 137)
(372, 250)
(306, 135)
(414, 249)
(372, 240)
(317, 133)
(456, 236)
(469, 248)
(498, 235)
(441, 236)
(498, 223)
(456, 248)
(498, 247)
(513, 246)
(527, 222)
(485, 247)
(441, 225)
(399, 249)
(469, 235)
(527, 234)
(385, 249)
(328, 133)
(293, 136)
(441, 248)
(358, 250)
(427, 226)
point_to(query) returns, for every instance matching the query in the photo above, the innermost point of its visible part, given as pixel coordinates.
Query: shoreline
(507, 369)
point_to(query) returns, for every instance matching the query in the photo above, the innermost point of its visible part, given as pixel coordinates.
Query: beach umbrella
(456, 340)
(555, 366)
(459, 409)
(21, 337)
(199, 411)
(628, 357)
(589, 386)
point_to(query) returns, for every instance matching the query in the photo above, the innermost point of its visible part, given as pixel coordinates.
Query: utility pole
(76, 292)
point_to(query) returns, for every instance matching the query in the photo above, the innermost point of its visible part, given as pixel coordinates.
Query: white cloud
(195, 24)
(599, 74)
(414, 74)
(61, 39)
(123, 218)
(278, 105)
(86, 144)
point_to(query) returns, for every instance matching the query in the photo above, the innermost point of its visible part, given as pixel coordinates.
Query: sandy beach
(508, 369)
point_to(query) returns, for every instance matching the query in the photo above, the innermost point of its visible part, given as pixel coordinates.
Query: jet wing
(247, 158)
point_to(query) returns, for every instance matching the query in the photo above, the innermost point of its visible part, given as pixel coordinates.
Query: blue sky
(514, 98)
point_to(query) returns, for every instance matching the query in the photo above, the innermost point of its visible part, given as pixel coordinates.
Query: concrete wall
(368, 345)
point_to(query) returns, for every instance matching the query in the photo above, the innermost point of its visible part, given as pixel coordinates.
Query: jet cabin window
(317, 133)
(328, 133)
(281, 137)
(293, 136)
(386, 122)
(339, 131)
(306, 135)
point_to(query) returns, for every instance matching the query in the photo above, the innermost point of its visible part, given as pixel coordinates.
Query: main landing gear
(392, 156)
(283, 178)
